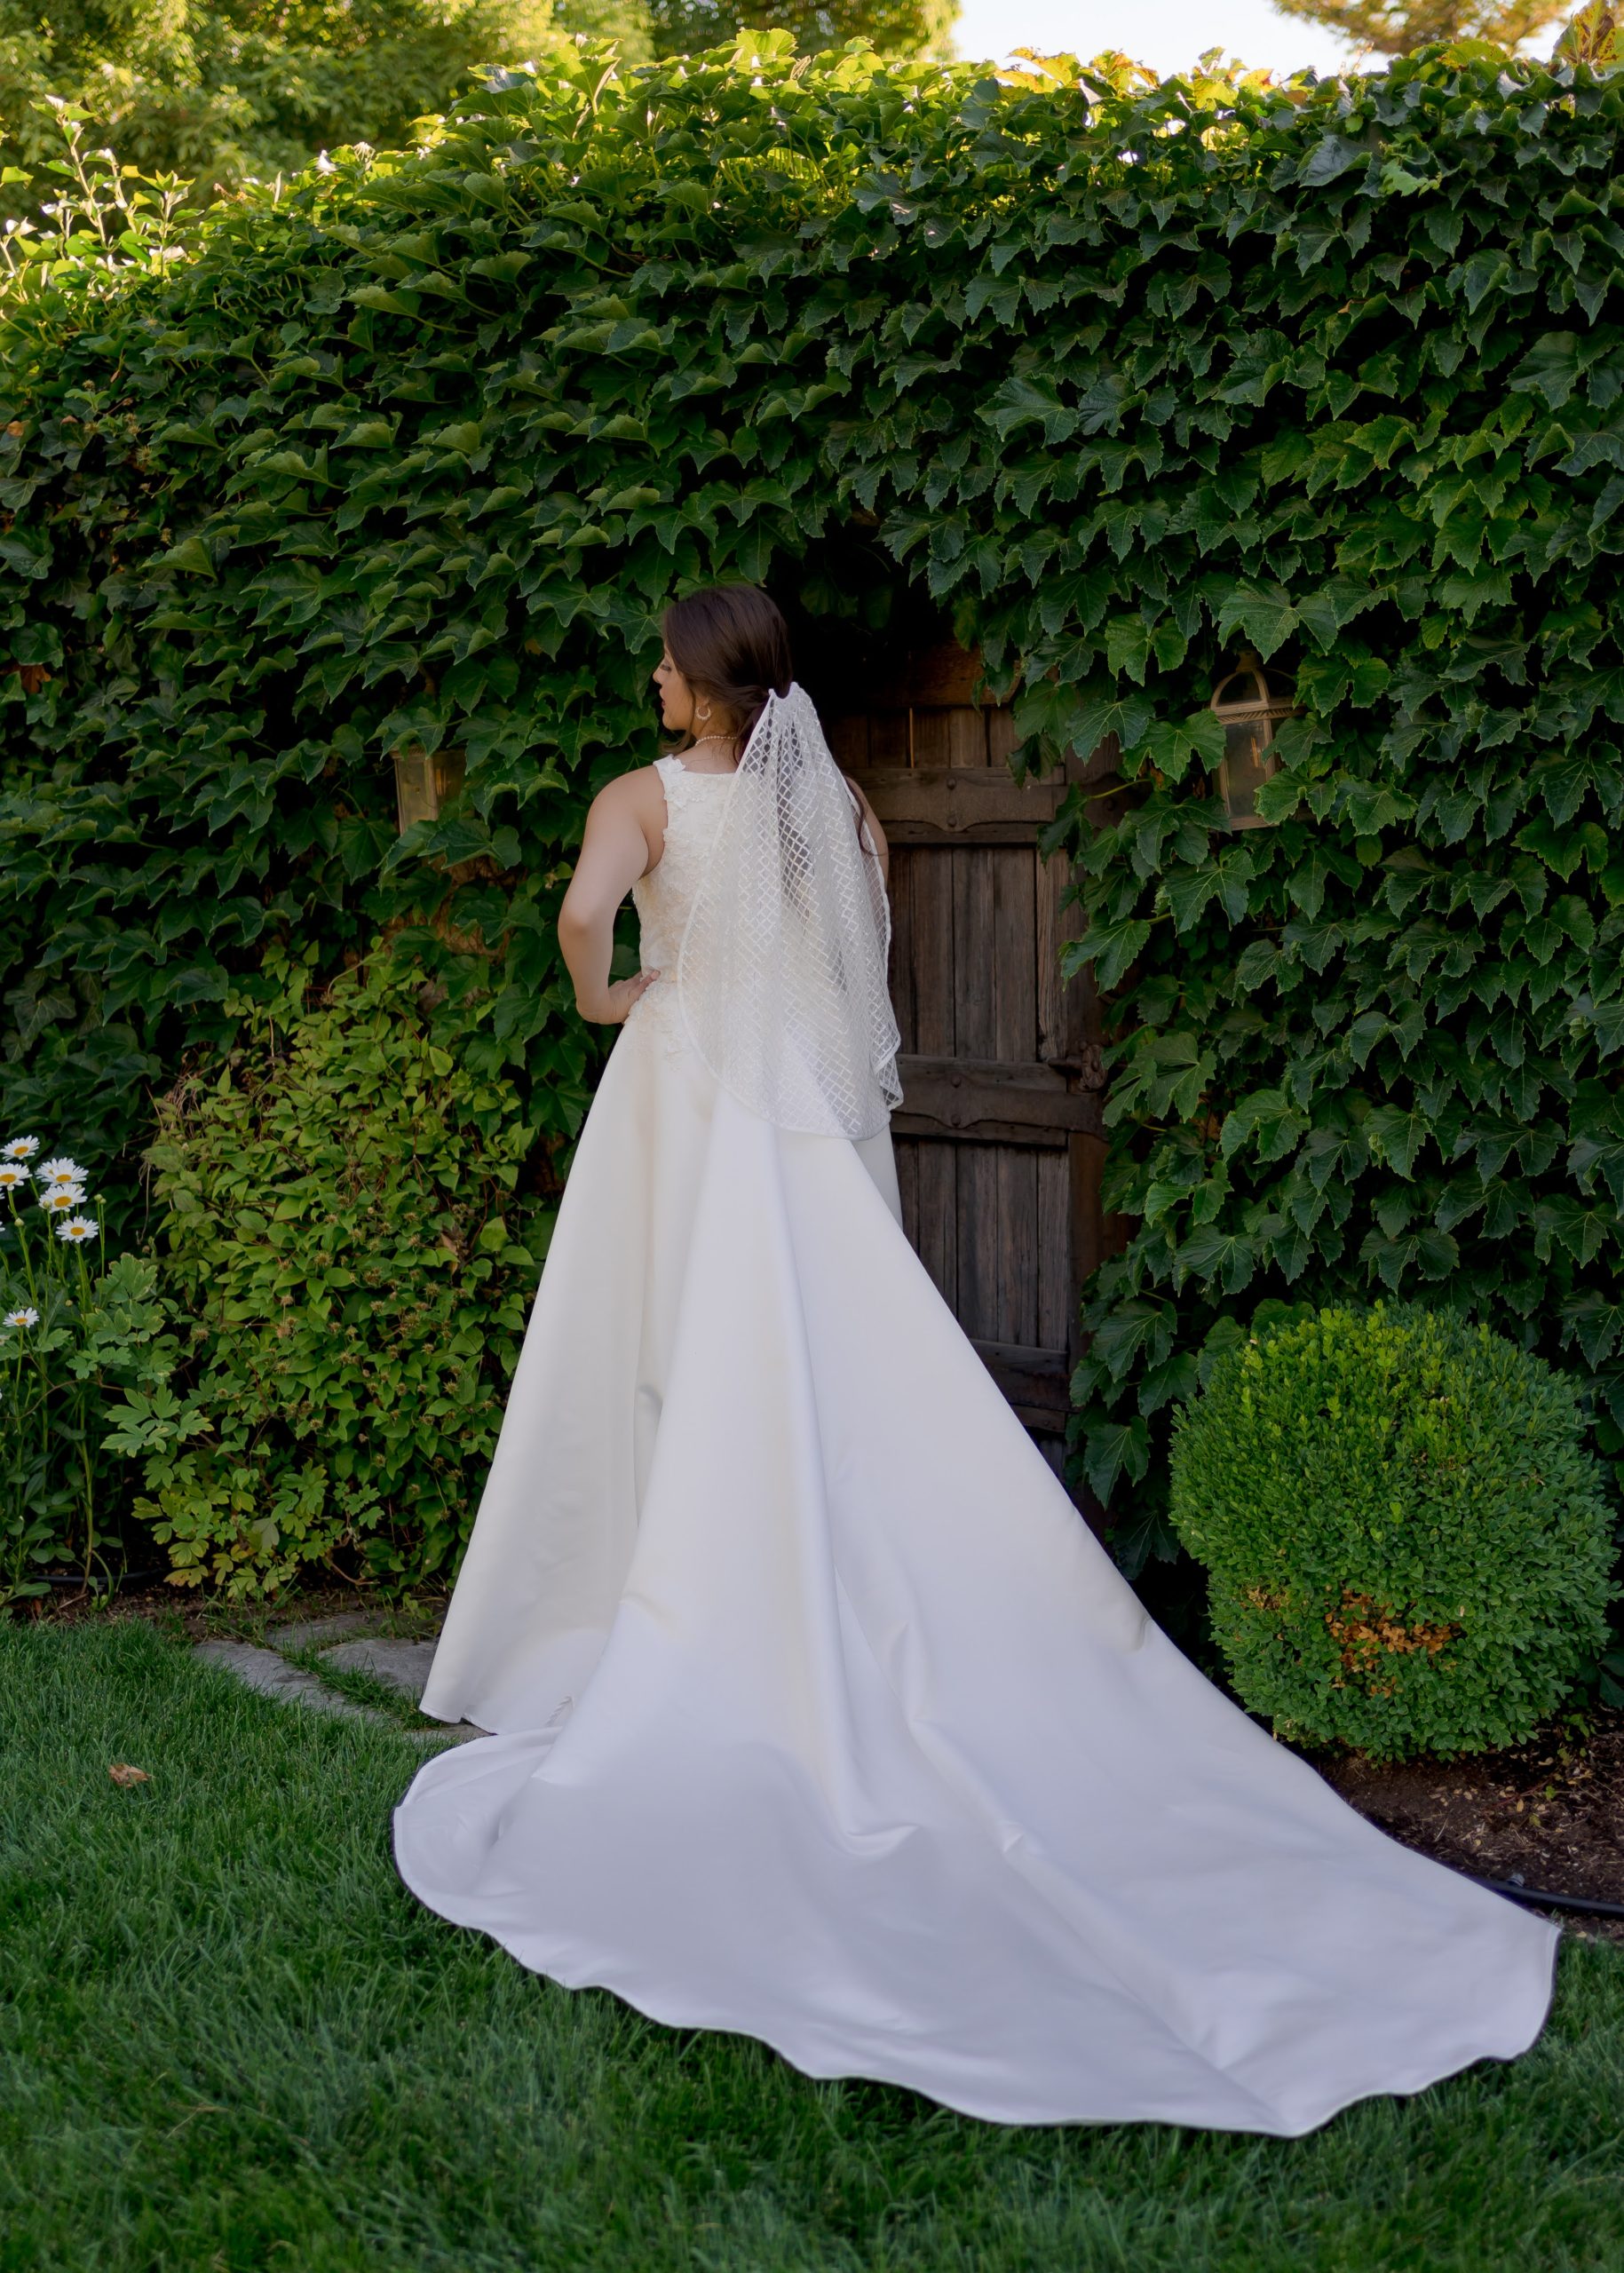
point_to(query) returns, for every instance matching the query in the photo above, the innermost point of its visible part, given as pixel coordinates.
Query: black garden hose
(1536, 1898)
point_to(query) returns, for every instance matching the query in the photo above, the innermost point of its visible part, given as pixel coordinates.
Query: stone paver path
(346, 1642)
(403, 1665)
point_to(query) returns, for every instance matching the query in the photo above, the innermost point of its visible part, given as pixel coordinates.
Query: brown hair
(730, 643)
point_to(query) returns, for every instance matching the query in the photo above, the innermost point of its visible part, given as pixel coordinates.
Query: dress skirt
(820, 1716)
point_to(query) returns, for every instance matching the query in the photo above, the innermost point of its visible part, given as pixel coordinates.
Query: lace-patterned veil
(781, 976)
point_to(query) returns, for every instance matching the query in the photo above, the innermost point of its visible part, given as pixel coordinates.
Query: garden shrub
(1409, 1545)
(339, 1215)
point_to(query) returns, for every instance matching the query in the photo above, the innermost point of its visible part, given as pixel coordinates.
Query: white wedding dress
(823, 1718)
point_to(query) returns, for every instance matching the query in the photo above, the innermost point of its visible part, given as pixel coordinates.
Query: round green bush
(1407, 1541)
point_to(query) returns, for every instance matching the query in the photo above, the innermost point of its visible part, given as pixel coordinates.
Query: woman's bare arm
(625, 832)
(867, 821)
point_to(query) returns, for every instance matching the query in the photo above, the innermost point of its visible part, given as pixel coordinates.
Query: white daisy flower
(22, 1318)
(20, 1148)
(61, 1197)
(77, 1230)
(12, 1177)
(62, 1171)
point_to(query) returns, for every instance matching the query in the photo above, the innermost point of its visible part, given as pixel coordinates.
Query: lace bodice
(694, 803)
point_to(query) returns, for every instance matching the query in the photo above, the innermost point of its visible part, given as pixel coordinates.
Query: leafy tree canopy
(1402, 27)
(894, 26)
(250, 89)
(258, 88)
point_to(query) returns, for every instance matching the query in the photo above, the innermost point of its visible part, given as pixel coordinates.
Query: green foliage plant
(1592, 36)
(339, 1221)
(81, 1336)
(1408, 1545)
(106, 221)
(1117, 375)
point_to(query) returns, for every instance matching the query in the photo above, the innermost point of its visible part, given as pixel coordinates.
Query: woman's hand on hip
(613, 1007)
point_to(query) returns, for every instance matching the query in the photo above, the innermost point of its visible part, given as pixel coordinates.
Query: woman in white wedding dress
(820, 1716)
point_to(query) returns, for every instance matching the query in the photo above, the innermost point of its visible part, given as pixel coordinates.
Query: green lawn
(229, 2041)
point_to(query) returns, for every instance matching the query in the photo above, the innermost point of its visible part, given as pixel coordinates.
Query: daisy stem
(84, 1401)
(28, 1253)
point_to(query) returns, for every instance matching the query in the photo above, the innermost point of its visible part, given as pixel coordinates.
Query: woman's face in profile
(675, 696)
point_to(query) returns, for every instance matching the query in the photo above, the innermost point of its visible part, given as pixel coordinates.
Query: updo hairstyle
(732, 645)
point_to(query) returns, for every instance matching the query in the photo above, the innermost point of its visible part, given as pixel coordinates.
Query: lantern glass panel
(415, 799)
(1250, 703)
(424, 784)
(1247, 764)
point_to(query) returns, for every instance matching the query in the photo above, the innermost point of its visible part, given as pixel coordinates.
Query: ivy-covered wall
(1122, 374)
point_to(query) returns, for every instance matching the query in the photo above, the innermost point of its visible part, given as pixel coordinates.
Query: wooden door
(998, 1140)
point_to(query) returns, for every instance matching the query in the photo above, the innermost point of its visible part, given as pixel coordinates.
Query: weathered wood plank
(966, 737)
(1086, 1149)
(935, 1172)
(1017, 1205)
(970, 832)
(1068, 1014)
(1056, 1293)
(980, 1237)
(949, 738)
(930, 950)
(1011, 977)
(1036, 1381)
(848, 741)
(990, 1100)
(944, 673)
(932, 803)
(907, 1158)
(927, 740)
(975, 1023)
(890, 741)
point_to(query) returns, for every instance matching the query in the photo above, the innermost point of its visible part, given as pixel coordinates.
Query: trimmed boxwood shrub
(1407, 1541)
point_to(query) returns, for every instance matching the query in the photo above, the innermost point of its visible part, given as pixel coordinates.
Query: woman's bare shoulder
(638, 791)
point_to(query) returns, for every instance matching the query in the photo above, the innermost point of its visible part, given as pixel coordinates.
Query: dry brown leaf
(121, 1773)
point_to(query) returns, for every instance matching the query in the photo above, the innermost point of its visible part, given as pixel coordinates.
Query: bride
(820, 1714)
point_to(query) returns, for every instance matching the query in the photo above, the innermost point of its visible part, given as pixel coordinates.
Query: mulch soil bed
(205, 1618)
(1547, 1815)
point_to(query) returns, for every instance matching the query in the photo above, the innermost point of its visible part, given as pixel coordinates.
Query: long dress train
(823, 1717)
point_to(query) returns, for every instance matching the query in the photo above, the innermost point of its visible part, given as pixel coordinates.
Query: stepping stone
(271, 1675)
(316, 1633)
(403, 1665)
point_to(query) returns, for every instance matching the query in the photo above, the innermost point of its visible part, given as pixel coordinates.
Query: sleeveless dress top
(693, 806)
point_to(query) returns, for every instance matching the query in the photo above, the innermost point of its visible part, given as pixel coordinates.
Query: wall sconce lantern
(1250, 704)
(425, 783)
